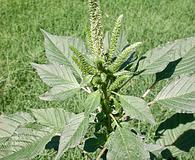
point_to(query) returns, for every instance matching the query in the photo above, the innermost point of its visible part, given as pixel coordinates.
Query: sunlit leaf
(55, 74)
(125, 145)
(177, 133)
(179, 94)
(136, 108)
(158, 58)
(72, 134)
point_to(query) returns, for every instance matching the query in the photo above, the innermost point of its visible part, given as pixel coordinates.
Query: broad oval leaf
(55, 74)
(55, 118)
(136, 108)
(179, 94)
(177, 133)
(122, 43)
(158, 58)
(187, 64)
(9, 123)
(25, 143)
(24, 136)
(64, 84)
(125, 145)
(61, 92)
(73, 133)
(58, 50)
(106, 42)
(93, 143)
(92, 102)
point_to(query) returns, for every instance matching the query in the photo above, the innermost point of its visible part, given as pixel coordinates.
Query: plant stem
(87, 89)
(148, 90)
(126, 82)
(115, 121)
(151, 103)
(146, 93)
(101, 153)
(106, 107)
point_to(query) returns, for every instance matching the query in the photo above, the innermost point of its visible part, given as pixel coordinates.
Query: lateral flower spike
(96, 26)
(118, 82)
(89, 41)
(81, 62)
(115, 36)
(123, 57)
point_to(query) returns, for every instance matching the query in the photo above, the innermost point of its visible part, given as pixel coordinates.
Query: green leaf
(93, 143)
(173, 127)
(158, 58)
(124, 56)
(61, 92)
(73, 133)
(167, 72)
(125, 145)
(92, 102)
(18, 141)
(24, 137)
(179, 94)
(136, 108)
(60, 78)
(106, 42)
(64, 84)
(9, 123)
(177, 133)
(55, 118)
(187, 64)
(25, 144)
(154, 148)
(122, 43)
(58, 51)
(55, 74)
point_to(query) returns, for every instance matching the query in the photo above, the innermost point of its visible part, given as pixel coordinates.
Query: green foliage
(136, 108)
(72, 134)
(179, 94)
(114, 38)
(103, 72)
(123, 57)
(158, 58)
(118, 82)
(177, 133)
(124, 144)
(96, 26)
(80, 60)
(27, 135)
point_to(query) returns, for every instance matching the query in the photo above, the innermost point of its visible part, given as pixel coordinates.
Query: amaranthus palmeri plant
(103, 67)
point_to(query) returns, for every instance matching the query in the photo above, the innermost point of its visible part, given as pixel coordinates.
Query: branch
(126, 82)
(146, 93)
(148, 90)
(101, 153)
(151, 103)
(87, 89)
(115, 121)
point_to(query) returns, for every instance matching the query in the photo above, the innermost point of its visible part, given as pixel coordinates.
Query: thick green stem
(107, 110)
(106, 107)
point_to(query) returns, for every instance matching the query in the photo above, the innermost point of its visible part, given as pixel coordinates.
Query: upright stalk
(96, 26)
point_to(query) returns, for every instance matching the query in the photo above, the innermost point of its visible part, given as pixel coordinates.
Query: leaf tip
(43, 31)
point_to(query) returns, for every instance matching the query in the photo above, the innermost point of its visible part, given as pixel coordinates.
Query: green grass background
(21, 42)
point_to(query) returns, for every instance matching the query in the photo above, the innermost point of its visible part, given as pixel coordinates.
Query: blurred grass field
(150, 21)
